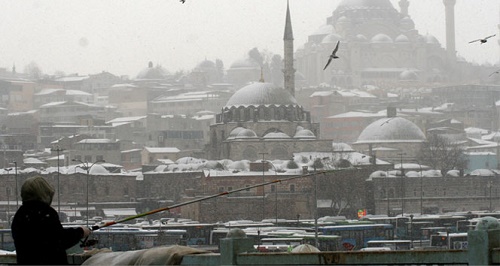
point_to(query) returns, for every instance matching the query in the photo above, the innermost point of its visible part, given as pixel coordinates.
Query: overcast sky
(122, 36)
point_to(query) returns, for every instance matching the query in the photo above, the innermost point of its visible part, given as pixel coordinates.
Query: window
(292, 188)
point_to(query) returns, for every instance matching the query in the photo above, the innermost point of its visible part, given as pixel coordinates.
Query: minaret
(403, 6)
(450, 29)
(289, 71)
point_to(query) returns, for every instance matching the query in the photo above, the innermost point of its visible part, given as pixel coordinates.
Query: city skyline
(121, 37)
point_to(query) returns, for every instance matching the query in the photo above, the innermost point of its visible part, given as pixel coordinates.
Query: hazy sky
(122, 36)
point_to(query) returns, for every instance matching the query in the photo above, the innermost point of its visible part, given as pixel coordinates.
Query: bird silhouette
(483, 40)
(496, 72)
(333, 55)
(183, 1)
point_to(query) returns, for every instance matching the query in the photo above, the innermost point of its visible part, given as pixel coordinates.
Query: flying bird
(483, 40)
(183, 1)
(333, 55)
(496, 72)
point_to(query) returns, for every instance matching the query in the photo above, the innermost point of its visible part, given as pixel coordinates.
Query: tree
(33, 70)
(442, 153)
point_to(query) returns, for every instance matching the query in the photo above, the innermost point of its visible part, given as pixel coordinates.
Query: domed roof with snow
(260, 93)
(408, 75)
(246, 133)
(152, 72)
(391, 129)
(303, 133)
(402, 38)
(381, 38)
(276, 135)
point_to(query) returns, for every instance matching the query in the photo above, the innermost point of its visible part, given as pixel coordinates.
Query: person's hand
(86, 231)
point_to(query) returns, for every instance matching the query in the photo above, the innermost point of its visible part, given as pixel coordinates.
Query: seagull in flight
(183, 1)
(333, 55)
(496, 72)
(483, 40)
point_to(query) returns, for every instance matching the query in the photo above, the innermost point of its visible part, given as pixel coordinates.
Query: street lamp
(87, 166)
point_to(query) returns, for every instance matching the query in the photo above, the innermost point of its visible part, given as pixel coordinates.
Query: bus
(196, 233)
(124, 239)
(446, 240)
(355, 237)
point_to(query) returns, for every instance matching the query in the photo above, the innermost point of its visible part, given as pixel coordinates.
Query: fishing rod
(86, 242)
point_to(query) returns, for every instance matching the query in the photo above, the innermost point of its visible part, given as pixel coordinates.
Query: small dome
(276, 135)
(246, 133)
(361, 38)
(408, 75)
(260, 93)
(391, 129)
(402, 38)
(235, 132)
(303, 133)
(340, 146)
(331, 38)
(381, 38)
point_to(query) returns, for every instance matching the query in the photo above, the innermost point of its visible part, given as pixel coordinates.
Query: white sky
(122, 36)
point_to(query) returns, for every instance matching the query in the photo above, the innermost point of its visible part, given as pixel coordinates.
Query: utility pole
(263, 188)
(57, 149)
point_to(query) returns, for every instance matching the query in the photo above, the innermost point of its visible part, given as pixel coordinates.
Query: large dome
(260, 93)
(391, 129)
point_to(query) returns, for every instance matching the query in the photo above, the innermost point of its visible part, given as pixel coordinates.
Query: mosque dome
(402, 39)
(261, 93)
(303, 133)
(391, 130)
(152, 72)
(381, 38)
(331, 38)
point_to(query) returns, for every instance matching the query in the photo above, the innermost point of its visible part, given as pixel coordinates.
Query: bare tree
(33, 70)
(441, 153)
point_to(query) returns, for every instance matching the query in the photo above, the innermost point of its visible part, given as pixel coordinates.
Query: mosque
(263, 120)
(378, 46)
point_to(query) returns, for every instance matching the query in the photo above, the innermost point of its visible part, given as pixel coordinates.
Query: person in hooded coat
(39, 236)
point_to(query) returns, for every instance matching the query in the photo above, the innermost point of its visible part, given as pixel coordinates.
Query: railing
(483, 249)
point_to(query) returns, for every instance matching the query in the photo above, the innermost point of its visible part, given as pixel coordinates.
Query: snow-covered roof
(393, 130)
(126, 119)
(96, 141)
(162, 149)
